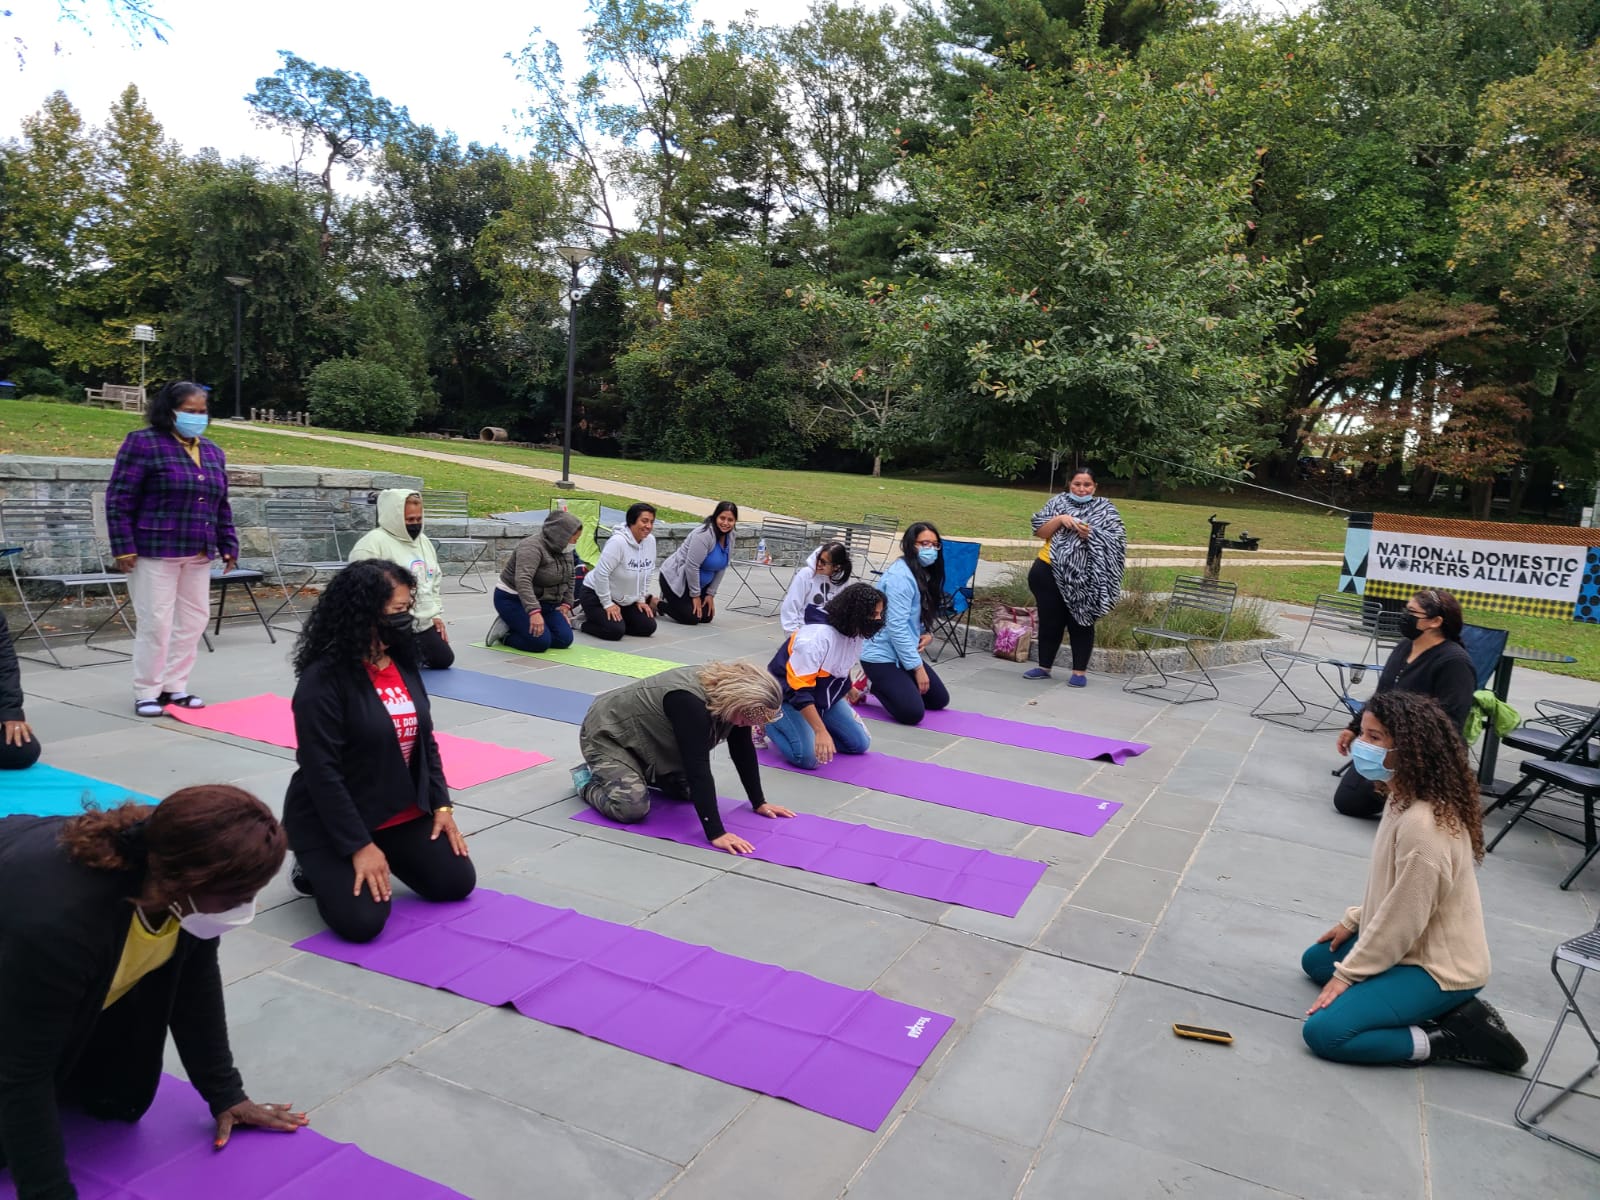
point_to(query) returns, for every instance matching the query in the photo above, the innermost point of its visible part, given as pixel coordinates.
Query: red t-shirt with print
(402, 710)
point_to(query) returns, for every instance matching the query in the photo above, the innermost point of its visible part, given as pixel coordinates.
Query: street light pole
(239, 282)
(574, 255)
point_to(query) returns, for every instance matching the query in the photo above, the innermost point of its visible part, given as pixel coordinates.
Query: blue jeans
(1371, 1022)
(794, 738)
(557, 633)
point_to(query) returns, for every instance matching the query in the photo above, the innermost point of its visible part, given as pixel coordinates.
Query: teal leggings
(1371, 1022)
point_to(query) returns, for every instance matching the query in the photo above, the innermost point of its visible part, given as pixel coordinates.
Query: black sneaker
(1475, 1033)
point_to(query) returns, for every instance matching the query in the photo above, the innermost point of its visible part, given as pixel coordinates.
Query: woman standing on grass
(1401, 971)
(691, 574)
(1077, 577)
(168, 517)
(913, 588)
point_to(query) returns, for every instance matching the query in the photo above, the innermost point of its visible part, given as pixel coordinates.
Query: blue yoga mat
(510, 695)
(45, 791)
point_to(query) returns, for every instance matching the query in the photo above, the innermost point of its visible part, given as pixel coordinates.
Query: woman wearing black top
(1430, 659)
(108, 939)
(369, 797)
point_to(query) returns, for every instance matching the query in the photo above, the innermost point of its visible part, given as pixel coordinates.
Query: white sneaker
(497, 633)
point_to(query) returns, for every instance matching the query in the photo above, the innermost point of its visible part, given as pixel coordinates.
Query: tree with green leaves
(329, 112)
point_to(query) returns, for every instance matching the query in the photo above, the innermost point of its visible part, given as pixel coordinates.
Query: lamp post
(239, 282)
(143, 334)
(575, 255)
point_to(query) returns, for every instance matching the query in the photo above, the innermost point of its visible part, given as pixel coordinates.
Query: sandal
(181, 700)
(148, 708)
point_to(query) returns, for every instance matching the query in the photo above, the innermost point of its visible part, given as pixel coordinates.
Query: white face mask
(214, 925)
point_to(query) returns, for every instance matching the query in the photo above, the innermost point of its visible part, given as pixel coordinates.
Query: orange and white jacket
(813, 665)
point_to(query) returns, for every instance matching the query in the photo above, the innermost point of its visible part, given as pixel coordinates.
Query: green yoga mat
(614, 662)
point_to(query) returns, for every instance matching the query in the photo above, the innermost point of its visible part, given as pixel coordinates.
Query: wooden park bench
(116, 395)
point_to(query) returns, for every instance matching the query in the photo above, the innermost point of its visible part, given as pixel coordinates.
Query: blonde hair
(741, 693)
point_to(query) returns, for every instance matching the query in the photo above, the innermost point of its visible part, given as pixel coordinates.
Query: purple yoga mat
(838, 1051)
(1027, 803)
(167, 1155)
(896, 862)
(1019, 734)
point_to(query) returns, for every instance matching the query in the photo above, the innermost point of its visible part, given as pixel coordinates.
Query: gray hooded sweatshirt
(539, 570)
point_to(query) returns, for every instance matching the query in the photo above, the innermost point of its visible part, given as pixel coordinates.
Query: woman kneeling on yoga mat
(108, 940)
(659, 733)
(913, 588)
(813, 667)
(1402, 970)
(369, 799)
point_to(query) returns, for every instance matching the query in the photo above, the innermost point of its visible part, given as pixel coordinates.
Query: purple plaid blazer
(160, 505)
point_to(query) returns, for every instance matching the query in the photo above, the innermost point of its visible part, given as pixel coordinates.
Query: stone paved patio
(1061, 1078)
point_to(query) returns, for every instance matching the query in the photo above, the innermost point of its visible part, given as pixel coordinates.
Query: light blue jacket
(897, 641)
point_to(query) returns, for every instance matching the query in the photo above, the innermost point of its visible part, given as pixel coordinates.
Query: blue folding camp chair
(952, 624)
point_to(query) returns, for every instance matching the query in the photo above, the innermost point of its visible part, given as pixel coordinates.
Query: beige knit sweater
(1422, 907)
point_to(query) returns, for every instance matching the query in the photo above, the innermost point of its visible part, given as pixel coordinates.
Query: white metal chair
(61, 532)
(1198, 613)
(452, 506)
(1582, 952)
(1344, 615)
(304, 538)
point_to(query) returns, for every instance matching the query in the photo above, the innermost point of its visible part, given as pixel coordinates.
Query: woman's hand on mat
(372, 869)
(824, 747)
(438, 627)
(1331, 991)
(613, 612)
(18, 733)
(280, 1117)
(1336, 937)
(1345, 738)
(733, 844)
(535, 623)
(773, 810)
(444, 821)
(921, 676)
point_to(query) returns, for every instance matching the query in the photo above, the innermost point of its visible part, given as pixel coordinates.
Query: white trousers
(171, 599)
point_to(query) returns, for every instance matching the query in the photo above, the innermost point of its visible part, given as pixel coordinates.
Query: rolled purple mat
(1021, 734)
(168, 1155)
(896, 862)
(839, 1051)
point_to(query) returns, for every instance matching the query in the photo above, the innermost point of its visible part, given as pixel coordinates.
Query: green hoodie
(391, 542)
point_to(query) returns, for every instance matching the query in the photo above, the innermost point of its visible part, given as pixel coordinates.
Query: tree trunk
(1480, 493)
(877, 466)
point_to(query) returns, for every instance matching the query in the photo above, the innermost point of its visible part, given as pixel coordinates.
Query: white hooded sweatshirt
(391, 542)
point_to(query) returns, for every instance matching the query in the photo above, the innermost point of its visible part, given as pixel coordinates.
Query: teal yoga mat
(45, 791)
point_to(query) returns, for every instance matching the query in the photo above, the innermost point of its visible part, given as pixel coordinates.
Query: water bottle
(761, 552)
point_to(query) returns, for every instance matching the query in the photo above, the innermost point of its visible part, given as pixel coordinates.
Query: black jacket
(62, 930)
(1444, 672)
(352, 776)
(10, 677)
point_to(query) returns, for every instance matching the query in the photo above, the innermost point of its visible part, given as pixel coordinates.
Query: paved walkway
(1061, 1077)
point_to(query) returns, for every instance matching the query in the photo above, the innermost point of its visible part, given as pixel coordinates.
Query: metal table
(1509, 658)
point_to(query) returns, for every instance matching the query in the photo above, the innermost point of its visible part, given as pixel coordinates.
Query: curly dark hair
(210, 838)
(341, 627)
(163, 406)
(852, 607)
(1430, 763)
(930, 580)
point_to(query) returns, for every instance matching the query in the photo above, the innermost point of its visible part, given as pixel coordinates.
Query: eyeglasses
(920, 542)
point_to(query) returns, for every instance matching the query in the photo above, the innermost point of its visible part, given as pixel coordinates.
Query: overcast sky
(446, 62)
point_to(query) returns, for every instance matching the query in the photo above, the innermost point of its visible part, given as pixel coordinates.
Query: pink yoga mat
(1026, 803)
(269, 719)
(1020, 734)
(168, 1156)
(838, 1051)
(896, 862)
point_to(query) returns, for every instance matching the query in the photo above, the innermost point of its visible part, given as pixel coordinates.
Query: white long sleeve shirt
(625, 568)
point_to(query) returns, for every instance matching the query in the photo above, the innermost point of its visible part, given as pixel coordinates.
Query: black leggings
(15, 758)
(1055, 620)
(895, 688)
(681, 608)
(433, 651)
(635, 621)
(1357, 797)
(430, 868)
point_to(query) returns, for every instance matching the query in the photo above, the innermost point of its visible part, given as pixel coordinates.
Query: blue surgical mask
(1077, 499)
(190, 425)
(1368, 761)
(927, 555)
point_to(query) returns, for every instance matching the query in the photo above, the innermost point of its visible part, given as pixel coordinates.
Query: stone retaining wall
(348, 493)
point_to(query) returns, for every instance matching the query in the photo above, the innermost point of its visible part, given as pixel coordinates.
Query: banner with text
(1533, 570)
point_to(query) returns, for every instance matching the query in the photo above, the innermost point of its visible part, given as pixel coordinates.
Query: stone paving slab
(1061, 1076)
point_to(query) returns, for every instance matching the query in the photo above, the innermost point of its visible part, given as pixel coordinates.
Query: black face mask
(394, 627)
(872, 628)
(413, 530)
(1408, 626)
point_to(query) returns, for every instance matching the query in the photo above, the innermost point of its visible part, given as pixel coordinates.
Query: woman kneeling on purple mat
(108, 939)
(813, 667)
(369, 799)
(1401, 971)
